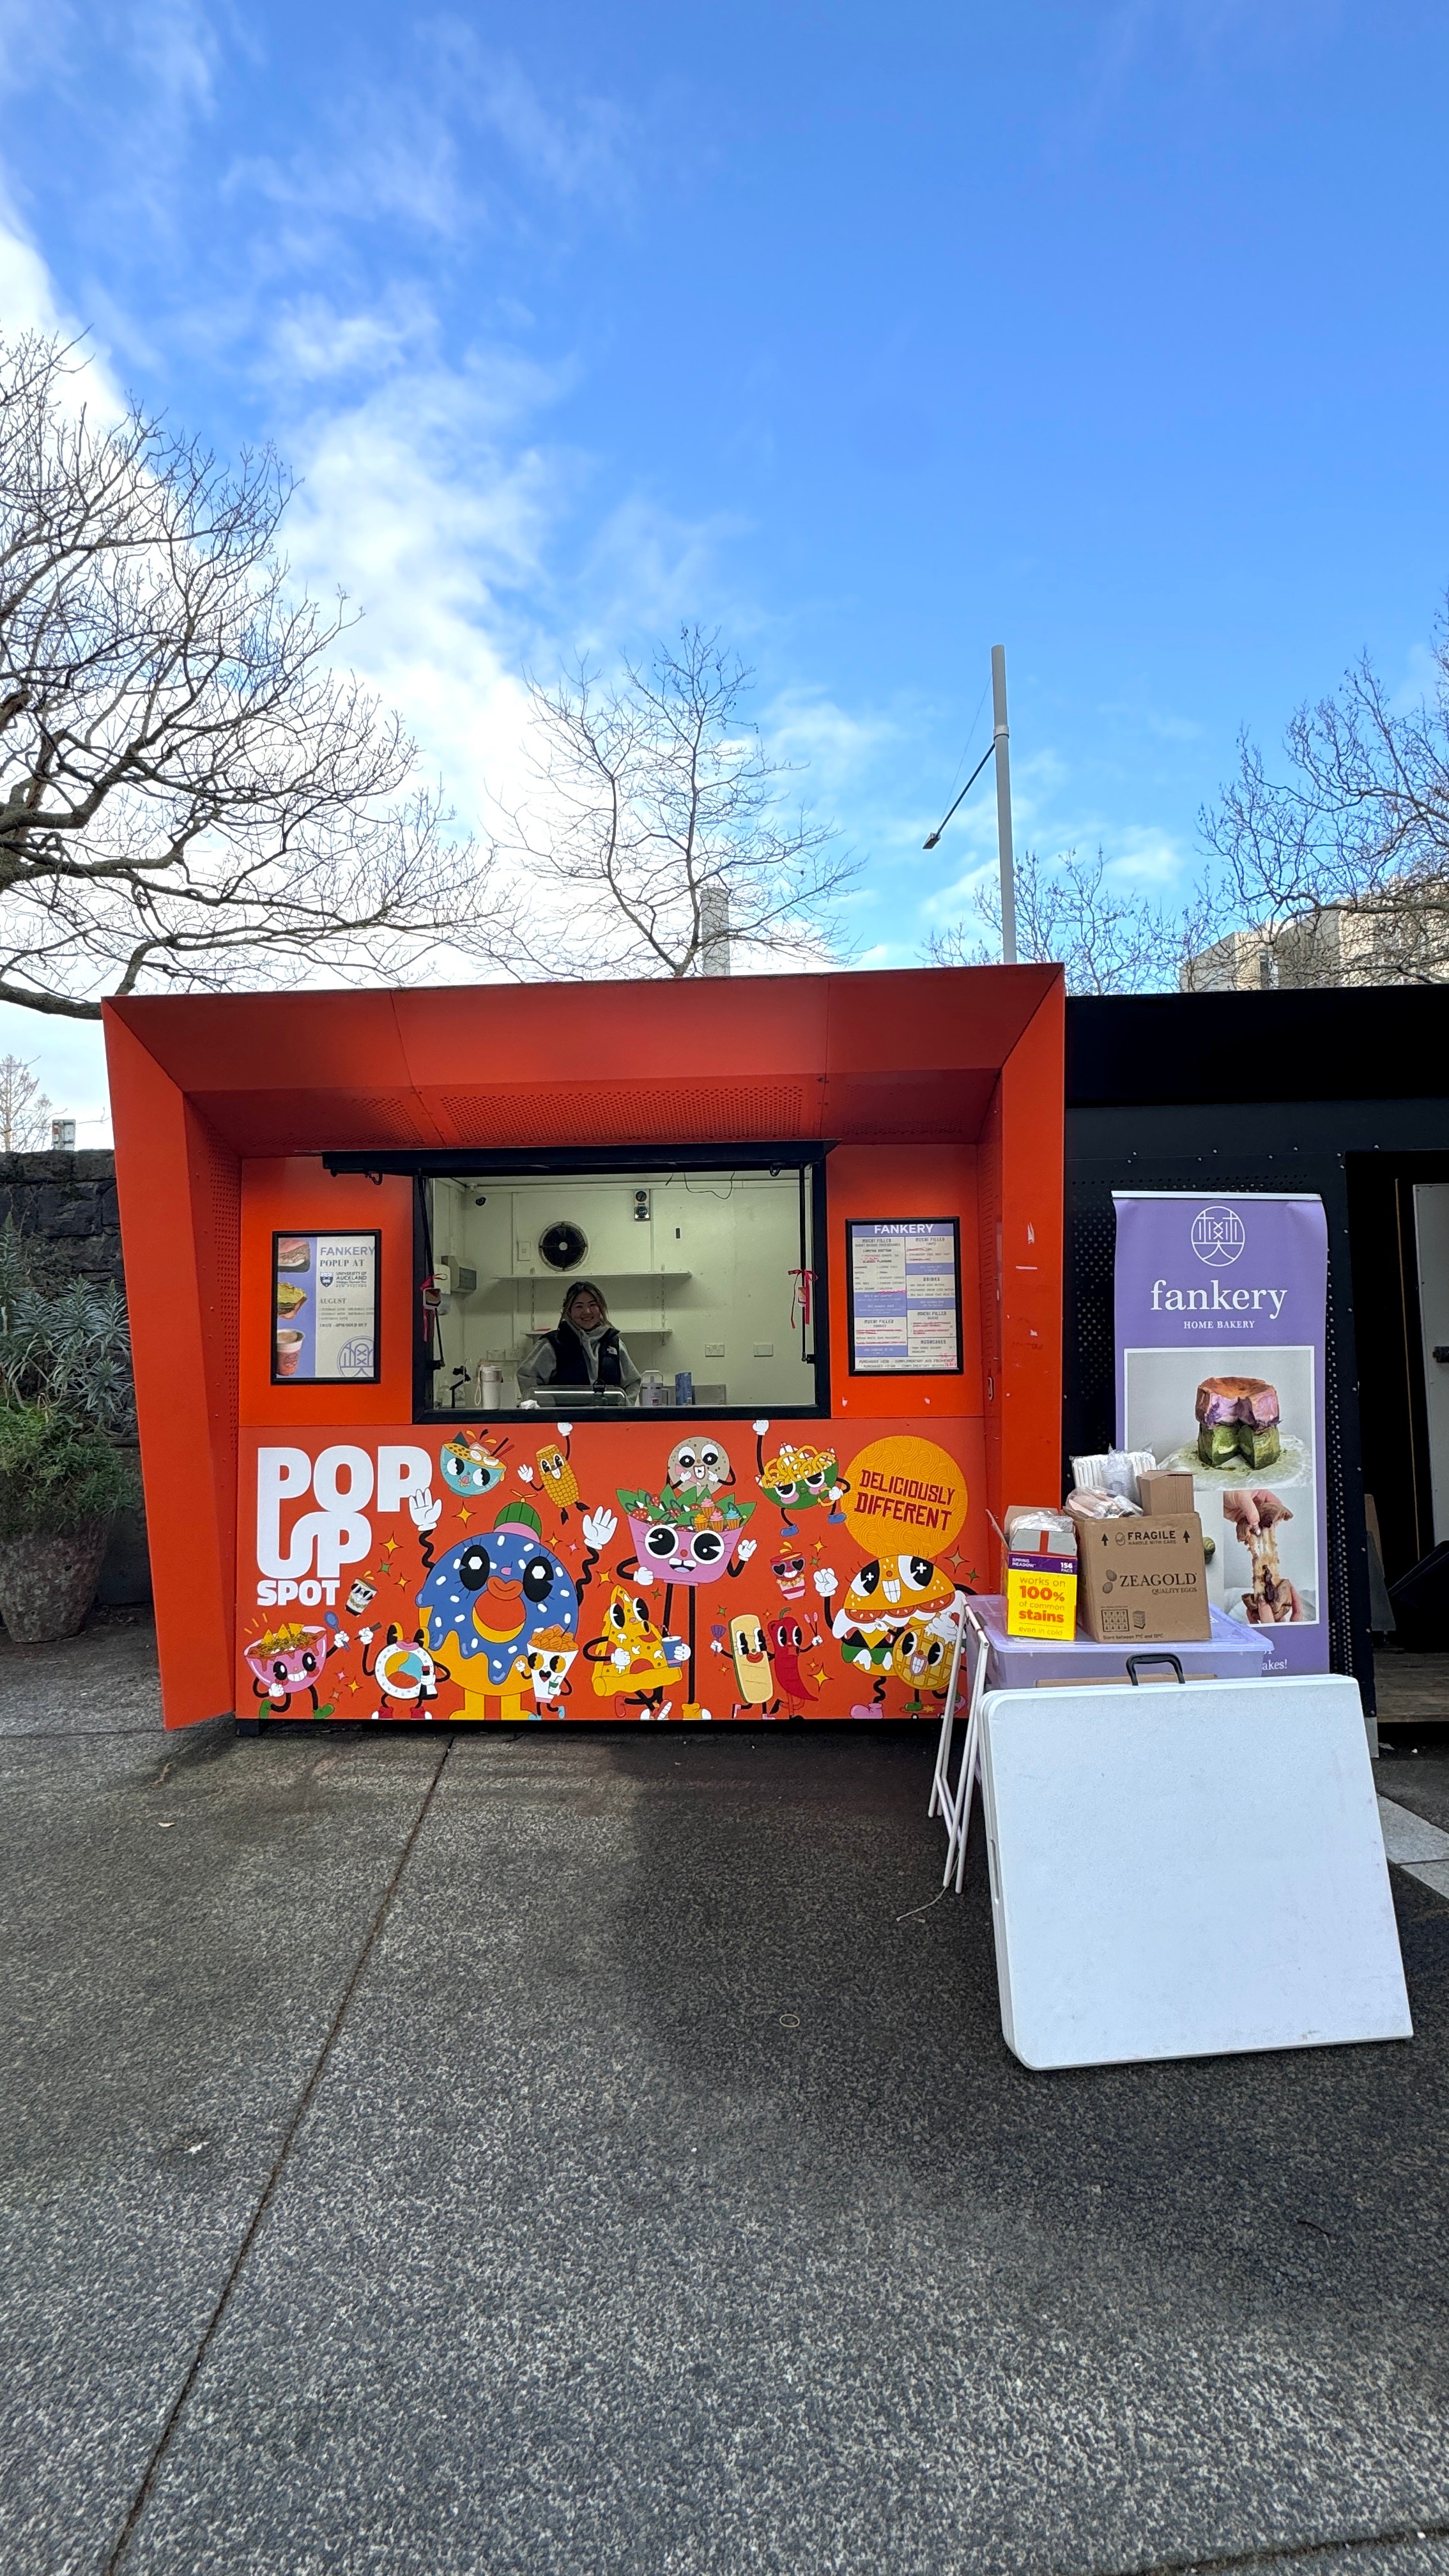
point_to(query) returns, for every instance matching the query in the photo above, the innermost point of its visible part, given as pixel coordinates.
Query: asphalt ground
(595, 2152)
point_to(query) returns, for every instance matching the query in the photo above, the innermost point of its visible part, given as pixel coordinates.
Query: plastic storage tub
(1233, 1652)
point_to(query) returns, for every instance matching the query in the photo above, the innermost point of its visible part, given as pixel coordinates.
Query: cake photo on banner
(1219, 1328)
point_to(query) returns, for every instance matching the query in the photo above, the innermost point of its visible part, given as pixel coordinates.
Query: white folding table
(1185, 1870)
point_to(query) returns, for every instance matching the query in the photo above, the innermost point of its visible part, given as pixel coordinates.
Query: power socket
(764, 1350)
(714, 1350)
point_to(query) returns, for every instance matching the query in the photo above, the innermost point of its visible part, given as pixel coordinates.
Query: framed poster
(903, 1287)
(325, 1292)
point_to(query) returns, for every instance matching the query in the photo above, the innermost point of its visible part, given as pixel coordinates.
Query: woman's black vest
(571, 1359)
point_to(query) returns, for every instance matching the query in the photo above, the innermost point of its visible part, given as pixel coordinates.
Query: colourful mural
(617, 1571)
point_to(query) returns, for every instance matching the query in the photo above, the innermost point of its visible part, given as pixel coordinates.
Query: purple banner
(1220, 1306)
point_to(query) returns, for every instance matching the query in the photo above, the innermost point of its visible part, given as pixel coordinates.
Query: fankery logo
(1218, 1237)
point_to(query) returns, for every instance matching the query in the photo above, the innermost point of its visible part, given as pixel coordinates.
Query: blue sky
(1114, 333)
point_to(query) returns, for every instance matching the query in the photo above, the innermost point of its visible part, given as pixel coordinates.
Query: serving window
(678, 1287)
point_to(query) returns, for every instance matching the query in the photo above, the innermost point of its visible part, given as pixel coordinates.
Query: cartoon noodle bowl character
(471, 1465)
(788, 1639)
(797, 1479)
(632, 1661)
(698, 1467)
(559, 1479)
(483, 1604)
(403, 1670)
(752, 1660)
(285, 1661)
(549, 1661)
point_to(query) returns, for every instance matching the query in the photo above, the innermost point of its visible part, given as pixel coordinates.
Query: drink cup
(289, 1352)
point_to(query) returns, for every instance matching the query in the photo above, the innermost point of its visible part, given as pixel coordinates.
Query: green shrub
(55, 1475)
(67, 1349)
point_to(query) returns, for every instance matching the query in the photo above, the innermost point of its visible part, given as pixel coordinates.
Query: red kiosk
(822, 1217)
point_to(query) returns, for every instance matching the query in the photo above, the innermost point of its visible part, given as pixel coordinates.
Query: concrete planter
(47, 1583)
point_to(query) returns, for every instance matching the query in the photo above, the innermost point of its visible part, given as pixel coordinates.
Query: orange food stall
(646, 1352)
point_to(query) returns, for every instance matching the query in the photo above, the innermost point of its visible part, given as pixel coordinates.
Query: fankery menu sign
(324, 1307)
(904, 1281)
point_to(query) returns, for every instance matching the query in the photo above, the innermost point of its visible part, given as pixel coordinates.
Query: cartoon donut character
(471, 1465)
(752, 1660)
(485, 1601)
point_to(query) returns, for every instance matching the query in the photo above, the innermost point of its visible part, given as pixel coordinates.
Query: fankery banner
(1220, 1307)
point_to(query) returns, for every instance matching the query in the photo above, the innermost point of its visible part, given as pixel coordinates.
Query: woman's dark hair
(580, 1288)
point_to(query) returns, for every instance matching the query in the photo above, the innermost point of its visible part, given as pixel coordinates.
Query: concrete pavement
(579, 2153)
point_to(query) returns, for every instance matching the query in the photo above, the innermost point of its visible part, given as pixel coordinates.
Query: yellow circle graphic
(905, 1496)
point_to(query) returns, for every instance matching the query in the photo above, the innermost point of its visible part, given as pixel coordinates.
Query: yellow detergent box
(1041, 1597)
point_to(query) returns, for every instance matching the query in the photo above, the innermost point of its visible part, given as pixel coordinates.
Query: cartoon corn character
(559, 1479)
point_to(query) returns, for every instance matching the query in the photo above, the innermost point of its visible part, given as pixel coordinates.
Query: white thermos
(490, 1387)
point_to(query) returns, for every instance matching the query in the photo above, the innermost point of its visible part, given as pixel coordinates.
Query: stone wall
(65, 1207)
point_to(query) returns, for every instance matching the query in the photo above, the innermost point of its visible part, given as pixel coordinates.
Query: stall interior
(705, 1275)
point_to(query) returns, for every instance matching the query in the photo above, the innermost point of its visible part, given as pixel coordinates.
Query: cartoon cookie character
(483, 1604)
(698, 1467)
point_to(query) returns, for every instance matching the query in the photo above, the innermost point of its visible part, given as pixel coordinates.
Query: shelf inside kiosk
(595, 1291)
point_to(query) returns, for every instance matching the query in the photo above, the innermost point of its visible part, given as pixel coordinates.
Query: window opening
(580, 1291)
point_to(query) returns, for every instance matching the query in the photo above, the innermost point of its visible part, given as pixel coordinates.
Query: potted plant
(66, 1402)
(61, 1485)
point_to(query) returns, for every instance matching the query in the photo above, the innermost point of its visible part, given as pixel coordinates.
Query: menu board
(904, 1285)
(324, 1307)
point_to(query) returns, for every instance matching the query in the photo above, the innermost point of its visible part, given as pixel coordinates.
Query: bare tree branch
(1340, 872)
(1068, 913)
(661, 815)
(191, 795)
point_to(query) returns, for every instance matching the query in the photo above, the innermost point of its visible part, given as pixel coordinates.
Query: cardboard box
(1041, 1597)
(1165, 1489)
(1143, 1582)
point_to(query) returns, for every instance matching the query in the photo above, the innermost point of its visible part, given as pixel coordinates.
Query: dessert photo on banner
(1239, 1419)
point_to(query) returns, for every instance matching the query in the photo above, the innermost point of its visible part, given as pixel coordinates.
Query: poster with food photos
(324, 1308)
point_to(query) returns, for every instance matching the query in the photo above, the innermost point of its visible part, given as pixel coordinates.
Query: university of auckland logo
(1218, 1237)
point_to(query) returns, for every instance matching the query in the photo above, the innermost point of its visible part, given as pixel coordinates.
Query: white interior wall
(702, 1285)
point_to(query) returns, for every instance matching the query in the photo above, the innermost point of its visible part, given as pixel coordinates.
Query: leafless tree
(662, 841)
(1341, 869)
(191, 795)
(1068, 913)
(24, 1109)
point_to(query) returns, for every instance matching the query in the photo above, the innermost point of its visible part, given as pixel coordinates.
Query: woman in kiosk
(583, 1354)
